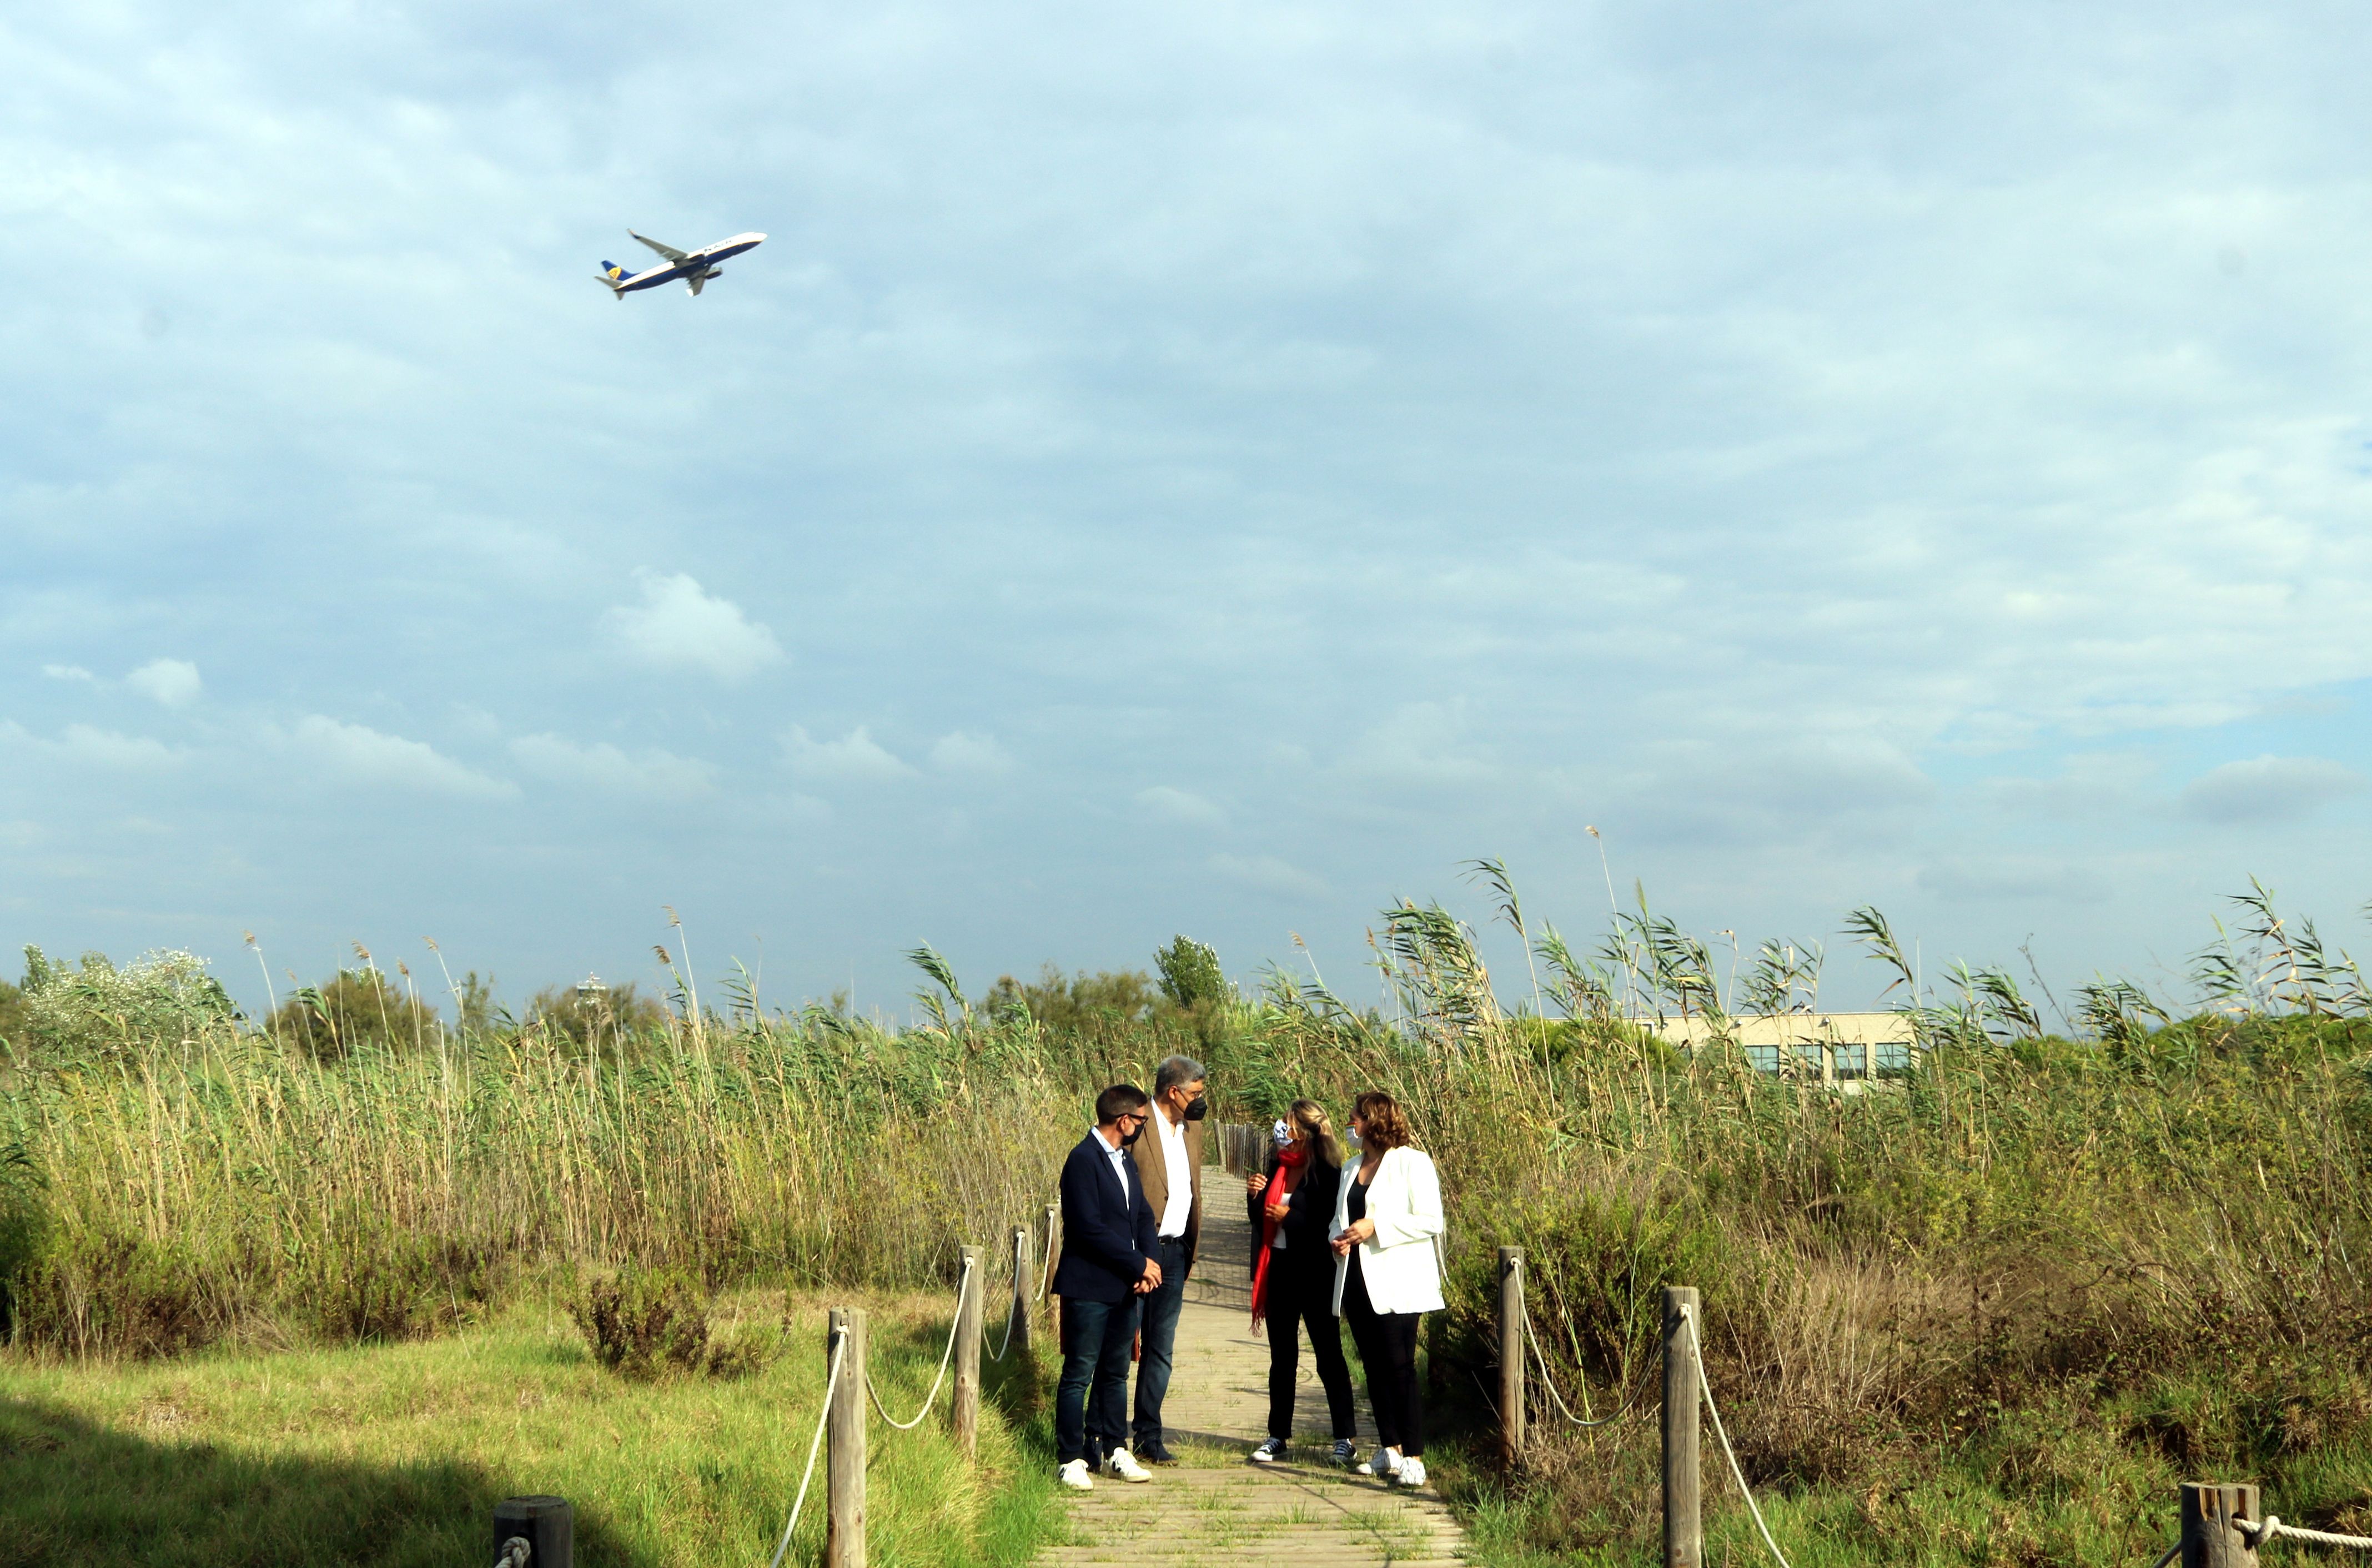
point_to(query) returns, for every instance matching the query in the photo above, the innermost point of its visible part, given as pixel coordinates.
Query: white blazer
(1398, 1262)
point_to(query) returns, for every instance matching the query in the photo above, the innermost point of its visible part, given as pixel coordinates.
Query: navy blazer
(1107, 1234)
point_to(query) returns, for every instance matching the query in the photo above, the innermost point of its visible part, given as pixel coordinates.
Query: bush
(357, 1010)
(161, 999)
(643, 1322)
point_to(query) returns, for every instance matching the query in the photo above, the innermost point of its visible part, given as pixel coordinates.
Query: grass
(395, 1454)
(1988, 1313)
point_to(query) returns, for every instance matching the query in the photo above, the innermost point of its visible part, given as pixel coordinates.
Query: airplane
(694, 267)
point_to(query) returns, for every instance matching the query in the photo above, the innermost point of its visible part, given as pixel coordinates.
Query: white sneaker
(1410, 1473)
(1386, 1462)
(1075, 1476)
(1121, 1463)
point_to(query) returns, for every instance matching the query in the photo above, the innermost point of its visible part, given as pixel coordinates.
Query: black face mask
(1198, 1107)
(1132, 1135)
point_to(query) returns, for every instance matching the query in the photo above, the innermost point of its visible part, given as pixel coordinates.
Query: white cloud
(965, 752)
(678, 626)
(2013, 877)
(2268, 789)
(171, 681)
(1270, 875)
(1174, 805)
(353, 753)
(856, 756)
(97, 747)
(68, 672)
(604, 766)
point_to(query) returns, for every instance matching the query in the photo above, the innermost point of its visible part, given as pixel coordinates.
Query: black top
(1309, 1208)
(1357, 1209)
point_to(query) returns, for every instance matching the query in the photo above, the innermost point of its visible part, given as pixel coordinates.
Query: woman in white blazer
(1387, 1276)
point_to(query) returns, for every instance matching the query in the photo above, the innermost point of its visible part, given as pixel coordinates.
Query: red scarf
(1281, 1183)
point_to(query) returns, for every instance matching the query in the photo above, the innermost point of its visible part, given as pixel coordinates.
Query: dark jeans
(1301, 1290)
(1091, 1401)
(1386, 1342)
(1160, 1324)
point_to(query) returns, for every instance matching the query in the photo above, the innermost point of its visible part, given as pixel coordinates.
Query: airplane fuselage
(695, 268)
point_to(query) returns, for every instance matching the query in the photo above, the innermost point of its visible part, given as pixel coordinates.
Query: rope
(1046, 1270)
(1533, 1339)
(1689, 1317)
(2168, 1555)
(2272, 1527)
(831, 1384)
(515, 1554)
(964, 1288)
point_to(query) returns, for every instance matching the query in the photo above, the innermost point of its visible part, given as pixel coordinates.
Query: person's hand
(1258, 1184)
(1278, 1209)
(1152, 1280)
(1356, 1233)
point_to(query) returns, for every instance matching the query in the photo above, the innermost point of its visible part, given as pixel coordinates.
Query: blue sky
(1204, 469)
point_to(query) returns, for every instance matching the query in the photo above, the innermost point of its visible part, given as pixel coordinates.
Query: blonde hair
(1312, 1117)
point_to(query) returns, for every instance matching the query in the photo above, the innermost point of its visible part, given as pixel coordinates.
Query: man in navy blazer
(1110, 1248)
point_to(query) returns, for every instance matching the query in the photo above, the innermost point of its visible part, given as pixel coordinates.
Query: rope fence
(964, 1288)
(831, 1386)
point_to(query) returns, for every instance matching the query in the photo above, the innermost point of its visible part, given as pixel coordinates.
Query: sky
(1210, 468)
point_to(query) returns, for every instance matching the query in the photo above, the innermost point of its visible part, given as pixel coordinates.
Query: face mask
(1198, 1107)
(1132, 1135)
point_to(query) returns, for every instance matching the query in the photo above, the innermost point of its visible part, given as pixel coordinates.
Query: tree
(1190, 975)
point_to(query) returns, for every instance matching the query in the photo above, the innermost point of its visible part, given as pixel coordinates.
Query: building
(1844, 1049)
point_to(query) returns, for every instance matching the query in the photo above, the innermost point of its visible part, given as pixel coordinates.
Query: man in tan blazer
(1169, 1161)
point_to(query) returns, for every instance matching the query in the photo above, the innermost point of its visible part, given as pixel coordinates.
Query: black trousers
(1386, 1342)
(1301, 1291)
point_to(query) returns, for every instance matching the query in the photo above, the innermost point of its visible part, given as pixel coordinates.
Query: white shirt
(1180, 1206)
(1119, 1158)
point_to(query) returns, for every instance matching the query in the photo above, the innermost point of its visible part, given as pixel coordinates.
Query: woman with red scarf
(1293, 1276)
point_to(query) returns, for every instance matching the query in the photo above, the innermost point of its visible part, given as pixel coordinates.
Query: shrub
(643, 1322)
(161, 999)
(356, 1010)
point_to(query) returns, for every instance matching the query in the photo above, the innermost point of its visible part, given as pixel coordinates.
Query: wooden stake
(843, 1541)
(2209, 1538)
(967, 1315)
(1511, 1356)
(1022, 1287)
(1683, 1524)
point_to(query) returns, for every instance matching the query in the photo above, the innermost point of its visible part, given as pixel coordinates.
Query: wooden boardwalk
(1216, 1509)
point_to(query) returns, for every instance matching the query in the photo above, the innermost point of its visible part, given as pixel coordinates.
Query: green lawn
(396, 1454)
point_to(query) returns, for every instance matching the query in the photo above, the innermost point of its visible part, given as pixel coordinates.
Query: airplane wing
(695, 283)
(669, 251)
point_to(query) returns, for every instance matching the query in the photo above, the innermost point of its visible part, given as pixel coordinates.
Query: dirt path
(1215, 1509)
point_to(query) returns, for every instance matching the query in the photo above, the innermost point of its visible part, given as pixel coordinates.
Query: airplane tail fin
(613, 275)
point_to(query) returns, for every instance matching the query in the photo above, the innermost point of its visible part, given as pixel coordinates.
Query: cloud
(855, 757)
(2012, 877)
(2268, 789)
(1173, 804)
(678, 626)
(352, 753)
(965, 752)
(102, 749)
(69, 672)
(171, 681)
(1270, 875)
(606, 767)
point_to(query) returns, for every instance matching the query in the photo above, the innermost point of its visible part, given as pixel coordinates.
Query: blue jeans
(1091, 1401)
(1161, 1309)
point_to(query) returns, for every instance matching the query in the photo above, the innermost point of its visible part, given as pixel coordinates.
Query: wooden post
(1053, 1255)
(843, 1541)
(2209, 1536)
(1683, 1525)
(1022, 1287)
(546, 1524)
(1511, 1356)
(968, 1314)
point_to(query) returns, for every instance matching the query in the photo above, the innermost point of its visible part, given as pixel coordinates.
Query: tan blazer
(1154, 1171)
